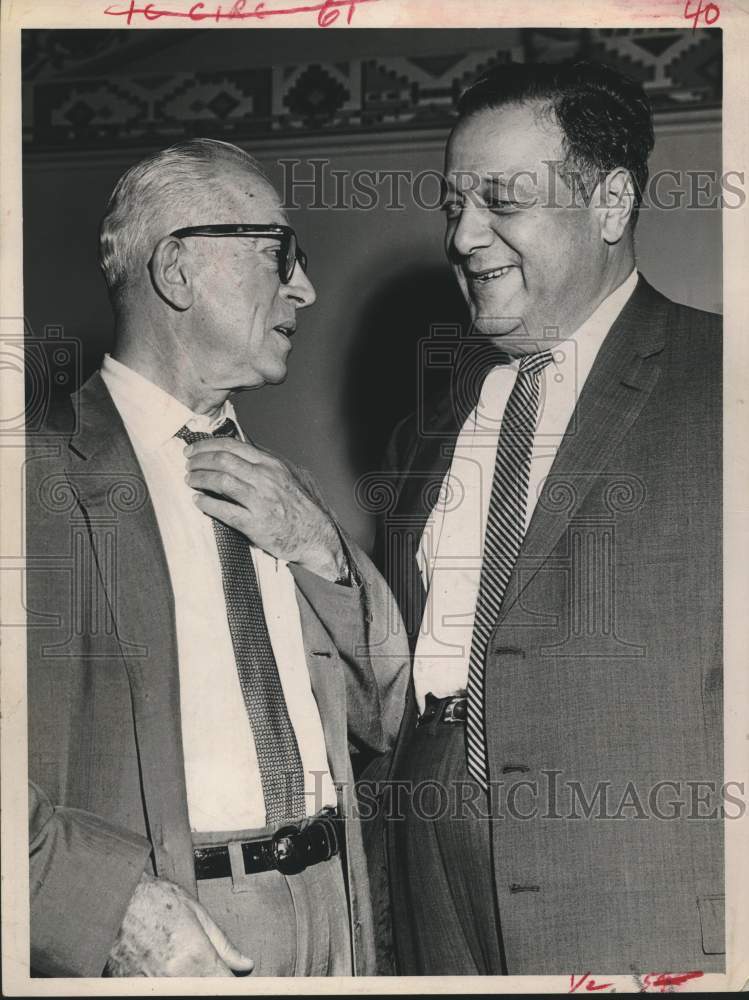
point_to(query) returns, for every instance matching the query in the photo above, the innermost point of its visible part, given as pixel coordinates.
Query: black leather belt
(290, 850)
(452, 709)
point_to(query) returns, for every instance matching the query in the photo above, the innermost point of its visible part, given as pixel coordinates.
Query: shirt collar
(151, 415)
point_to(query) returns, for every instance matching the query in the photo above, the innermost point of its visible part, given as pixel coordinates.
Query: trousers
(445, 919)
(290, 925)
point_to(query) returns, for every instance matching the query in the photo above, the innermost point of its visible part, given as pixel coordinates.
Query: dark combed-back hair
(605, 117)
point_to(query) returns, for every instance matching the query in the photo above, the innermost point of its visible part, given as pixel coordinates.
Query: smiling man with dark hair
(565, 597)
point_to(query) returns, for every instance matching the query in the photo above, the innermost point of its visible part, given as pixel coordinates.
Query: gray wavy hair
(164, 184)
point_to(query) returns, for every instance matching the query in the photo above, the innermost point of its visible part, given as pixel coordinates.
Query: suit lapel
(419, 481)
(106, 476)
(405, 527)
(618, 386)
(417, 488)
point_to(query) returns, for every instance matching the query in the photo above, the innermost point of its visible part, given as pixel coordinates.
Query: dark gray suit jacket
(604, 671)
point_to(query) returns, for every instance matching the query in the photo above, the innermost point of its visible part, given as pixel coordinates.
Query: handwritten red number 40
(709, 12)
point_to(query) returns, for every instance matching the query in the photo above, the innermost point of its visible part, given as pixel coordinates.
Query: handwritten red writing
(710, 12)
(591, 986)
(665, 981)
(328, 11)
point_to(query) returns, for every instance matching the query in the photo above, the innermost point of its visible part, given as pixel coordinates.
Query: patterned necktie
(279, 761)
(505, 527)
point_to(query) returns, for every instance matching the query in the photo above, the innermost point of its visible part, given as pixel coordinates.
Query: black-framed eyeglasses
(291, 252)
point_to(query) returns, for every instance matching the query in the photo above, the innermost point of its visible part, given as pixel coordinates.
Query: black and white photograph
(374, 542)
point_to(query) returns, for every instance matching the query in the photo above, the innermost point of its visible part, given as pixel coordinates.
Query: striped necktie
(505, 527)
(278, 757)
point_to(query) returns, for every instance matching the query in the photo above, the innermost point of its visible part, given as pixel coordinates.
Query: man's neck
(201, 399)
(614, 279)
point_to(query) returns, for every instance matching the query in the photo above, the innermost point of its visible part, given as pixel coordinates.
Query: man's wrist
(331, 566)
(330, 560)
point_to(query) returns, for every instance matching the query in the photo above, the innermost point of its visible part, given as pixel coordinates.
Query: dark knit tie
(280, 763)
(505, 527)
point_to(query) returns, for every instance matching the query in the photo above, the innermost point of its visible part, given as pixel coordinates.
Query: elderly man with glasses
(193, 693)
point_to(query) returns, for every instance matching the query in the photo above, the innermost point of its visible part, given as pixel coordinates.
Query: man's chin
(499, 327)
(266, 378)
(508, 334)
(273, 378)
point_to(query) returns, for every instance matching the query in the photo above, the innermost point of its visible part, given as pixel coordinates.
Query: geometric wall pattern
(679, 69)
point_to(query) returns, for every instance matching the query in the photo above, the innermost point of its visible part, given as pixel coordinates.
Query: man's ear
(616, 204)
(171, 273)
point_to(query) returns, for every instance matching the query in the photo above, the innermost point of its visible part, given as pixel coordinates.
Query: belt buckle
(449, 712)
(284, 851)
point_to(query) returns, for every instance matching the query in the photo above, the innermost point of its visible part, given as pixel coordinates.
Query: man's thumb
(234, 958)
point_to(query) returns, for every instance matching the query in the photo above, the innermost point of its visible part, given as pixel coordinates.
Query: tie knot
(534, 363)
(227, 429)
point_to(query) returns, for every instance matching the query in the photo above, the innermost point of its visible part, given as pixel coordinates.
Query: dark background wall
(94, 102)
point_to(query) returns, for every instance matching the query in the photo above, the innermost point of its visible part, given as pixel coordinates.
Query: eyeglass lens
(294, 253)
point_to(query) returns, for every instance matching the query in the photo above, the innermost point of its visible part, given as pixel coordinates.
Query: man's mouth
(481, 277)
(287, 329)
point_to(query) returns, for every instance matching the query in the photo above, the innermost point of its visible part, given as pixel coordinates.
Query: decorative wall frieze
(680, 70)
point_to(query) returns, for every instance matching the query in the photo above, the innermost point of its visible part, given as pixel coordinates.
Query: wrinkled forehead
(245, 196)
(505, 142)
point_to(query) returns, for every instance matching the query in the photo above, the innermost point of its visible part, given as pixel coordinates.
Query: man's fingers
(222, 461)
(206, 964)
(230, 957)
(223, 483)
(218, 968)
(230, 514)
(233, 446)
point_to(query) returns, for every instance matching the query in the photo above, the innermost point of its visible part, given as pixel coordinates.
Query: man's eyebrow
(500, 182)
(521, 185)
(460, 183)
(469, 182)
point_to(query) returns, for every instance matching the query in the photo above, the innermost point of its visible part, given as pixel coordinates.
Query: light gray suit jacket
(105, 744)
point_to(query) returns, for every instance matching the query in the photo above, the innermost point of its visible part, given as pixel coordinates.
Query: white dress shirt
(450, 549)
(224, 790)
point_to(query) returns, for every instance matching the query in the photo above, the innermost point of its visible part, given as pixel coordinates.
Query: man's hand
(167, 933)
(266, 502)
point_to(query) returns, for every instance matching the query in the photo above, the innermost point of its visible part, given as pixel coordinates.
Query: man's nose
(299, 289)
(473, 231)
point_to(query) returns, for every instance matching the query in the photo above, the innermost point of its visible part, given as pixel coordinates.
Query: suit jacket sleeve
(83, 872)
(395, 461)
(363, 621)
